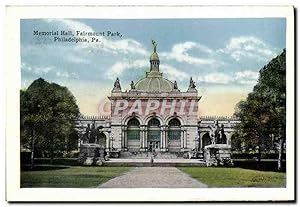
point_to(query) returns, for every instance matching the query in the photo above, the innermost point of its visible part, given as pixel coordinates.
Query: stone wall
(115, 127)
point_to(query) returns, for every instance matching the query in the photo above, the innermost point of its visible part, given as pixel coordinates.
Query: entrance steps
(155, 155)
(142, 162)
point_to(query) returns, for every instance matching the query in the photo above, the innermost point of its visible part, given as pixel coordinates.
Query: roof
(154, 56)
(154, 82)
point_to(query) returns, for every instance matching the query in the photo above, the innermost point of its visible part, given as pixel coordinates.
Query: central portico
(154, 114)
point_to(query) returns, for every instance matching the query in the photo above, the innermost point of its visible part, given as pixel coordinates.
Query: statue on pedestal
(93, 134)
(192, 84)
(117, 85)
(132, 85)
(175, 85)
(214, 132)
(87, 134)
(222, 135)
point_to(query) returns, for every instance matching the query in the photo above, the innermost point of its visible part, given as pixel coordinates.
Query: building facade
(154, 115)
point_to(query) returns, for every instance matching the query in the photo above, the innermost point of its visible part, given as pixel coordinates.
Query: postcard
(150, 103)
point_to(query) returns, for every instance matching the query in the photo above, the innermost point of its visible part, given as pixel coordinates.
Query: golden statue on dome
(154, 44)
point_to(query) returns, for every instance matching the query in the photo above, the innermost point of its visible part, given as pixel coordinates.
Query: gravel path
(153, 177)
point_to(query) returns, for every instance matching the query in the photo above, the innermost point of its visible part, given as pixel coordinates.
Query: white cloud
(219, 78)
(173, 73)
(71, 24)
(65, 74)
(123, 46)
(248, 47)
(43, 70)
(118, 46)
(75, 58)
(62, 74)
(180, 53)
(119, 67)
(39, 70)
(246, 77)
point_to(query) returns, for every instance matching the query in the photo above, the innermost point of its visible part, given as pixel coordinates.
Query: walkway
(145, 162)
(153, 177)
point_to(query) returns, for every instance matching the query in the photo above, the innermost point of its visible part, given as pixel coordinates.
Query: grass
(235, 177)
(72, 177)
(85, 177)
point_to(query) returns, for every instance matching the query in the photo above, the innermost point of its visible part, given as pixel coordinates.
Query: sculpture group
(217, 135)
(218, 152)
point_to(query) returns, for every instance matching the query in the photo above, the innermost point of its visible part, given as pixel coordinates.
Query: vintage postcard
(142, 103)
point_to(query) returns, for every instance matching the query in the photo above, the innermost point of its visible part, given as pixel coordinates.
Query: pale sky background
(222, 55)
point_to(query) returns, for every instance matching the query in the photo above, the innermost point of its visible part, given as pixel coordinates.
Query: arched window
(154, 131)
(154, 122)
(174, 122)
(133, 132)
(174, 132)
(133, 122)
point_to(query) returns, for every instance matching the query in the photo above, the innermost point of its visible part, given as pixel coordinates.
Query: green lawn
(235, 177)
(72, 177)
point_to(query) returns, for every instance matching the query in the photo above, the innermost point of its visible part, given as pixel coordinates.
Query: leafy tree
(47, 111)
(262, 115)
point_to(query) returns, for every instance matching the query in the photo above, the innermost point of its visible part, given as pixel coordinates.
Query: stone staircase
(156, 155)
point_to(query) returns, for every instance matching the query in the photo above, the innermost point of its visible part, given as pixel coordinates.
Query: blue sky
(222, 55)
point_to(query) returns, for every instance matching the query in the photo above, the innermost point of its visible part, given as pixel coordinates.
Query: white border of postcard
(13, 83)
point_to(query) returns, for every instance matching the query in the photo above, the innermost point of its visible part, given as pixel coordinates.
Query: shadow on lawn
(43, 167)
(262, 166)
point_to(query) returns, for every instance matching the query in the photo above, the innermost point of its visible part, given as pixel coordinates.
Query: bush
(265, 165)
(255, 155)
(56, 161)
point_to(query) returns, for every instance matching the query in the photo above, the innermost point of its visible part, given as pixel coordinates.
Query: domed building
(154, 114)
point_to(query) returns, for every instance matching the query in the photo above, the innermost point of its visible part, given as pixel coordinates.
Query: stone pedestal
(217, 155)
(91, 154)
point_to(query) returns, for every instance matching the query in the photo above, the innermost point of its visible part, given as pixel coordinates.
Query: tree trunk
(259, 156)
(280, 151)
(51, 151)
(68, 143)
(32, 149)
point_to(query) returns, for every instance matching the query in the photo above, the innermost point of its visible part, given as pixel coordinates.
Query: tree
(48, 111)
(262, 115)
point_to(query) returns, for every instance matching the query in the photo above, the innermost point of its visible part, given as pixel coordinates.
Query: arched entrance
(174, 135)
(133, 135)
(153, 134)
(206, 140)
(102, 139)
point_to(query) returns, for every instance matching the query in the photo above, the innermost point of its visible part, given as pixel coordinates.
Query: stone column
(108, 141)
(161, 138)
(146, 138)
(185, 139)
(166, 138)
(125, 138)
(182, 139)
(228, 138)
(122, 139)
(141, 138)
(200, 140)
